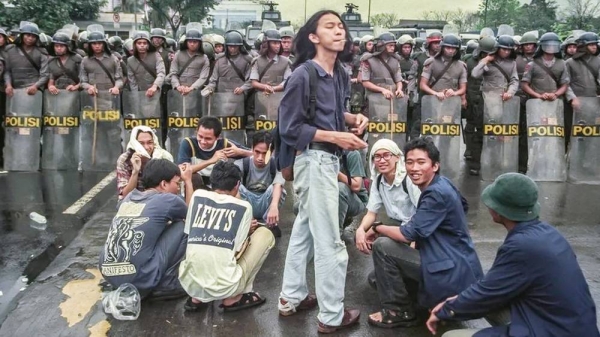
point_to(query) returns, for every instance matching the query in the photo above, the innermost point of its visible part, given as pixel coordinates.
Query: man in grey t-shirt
(146, 241)
(262, 185)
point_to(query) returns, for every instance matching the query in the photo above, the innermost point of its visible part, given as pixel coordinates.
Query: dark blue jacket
(449, 263)
(537, 274)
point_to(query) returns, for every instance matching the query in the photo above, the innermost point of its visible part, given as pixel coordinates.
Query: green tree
(385, 20)
(497, 12)
(538, 15)
(177, 12)
(580, 14)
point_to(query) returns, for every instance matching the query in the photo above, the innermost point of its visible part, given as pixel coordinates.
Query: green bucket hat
(514, 196)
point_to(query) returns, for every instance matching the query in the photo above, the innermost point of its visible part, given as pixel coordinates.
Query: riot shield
(505, 30)
(440, 121)
(387, 119)
(450, 29)
(138, 109)
(229, 108)
(584, 158)
(486, 32)
(546, 140)
(100, 131)
(22, 131)
(500, 151)
(60, 149)
(182, 118)
(268, 25)
(265, 110)
(357, 97)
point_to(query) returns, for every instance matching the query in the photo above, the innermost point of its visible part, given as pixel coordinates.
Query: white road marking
(78, 205)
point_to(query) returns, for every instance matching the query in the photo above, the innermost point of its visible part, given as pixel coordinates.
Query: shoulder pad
(44, 51)
(428, 61)
(285, 59)
(248, 58)
(9, 47)
(365, 56)
(77, 57)
(219, 56)
(397, 57)
(463, 64)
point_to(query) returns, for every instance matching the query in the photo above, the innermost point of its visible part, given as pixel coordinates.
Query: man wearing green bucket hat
(535, 273)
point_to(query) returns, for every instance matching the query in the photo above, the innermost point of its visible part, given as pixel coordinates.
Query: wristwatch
(374, 226)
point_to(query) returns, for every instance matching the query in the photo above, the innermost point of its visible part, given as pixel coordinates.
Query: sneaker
(351, 317)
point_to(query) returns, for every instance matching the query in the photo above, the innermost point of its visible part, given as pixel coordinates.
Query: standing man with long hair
(317, 142)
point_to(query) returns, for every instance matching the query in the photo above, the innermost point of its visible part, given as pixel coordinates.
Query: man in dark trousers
(535, 273)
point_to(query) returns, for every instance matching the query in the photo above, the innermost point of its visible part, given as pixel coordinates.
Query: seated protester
(143, 145)
(146, 241)
(535, 273)
(391, 189)
(262, 185)
(444, 261)
(354, 197)
(225, 247)
(206, 149)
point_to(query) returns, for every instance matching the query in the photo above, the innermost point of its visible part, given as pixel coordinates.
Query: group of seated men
(211, 245)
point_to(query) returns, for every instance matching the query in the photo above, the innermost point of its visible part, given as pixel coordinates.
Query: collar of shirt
(104, 55)
(549, 63)
(275, 59)
(397, 182)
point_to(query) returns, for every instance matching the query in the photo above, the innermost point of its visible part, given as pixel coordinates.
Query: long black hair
(305, 50)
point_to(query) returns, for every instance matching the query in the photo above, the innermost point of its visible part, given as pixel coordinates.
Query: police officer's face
(157, 41)
(434, 47)
(2, 40)
(193, 45)
(385, 161)
(233, 50)
(528, 48)
(406, 49)
(420, 168)
(286, 44)
(330, 33)
(571, 49)
(206, 138)
(504, 53)
(390, 48)
(97, 47)
(29, 39)
(60, 49)
(592, 48)
(141, 46)
(449, 51)
(369, 46)
(219, 48)
(260, 155)
(147, 141)
(275, 46)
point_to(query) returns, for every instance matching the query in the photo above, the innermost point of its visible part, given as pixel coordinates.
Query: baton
(392, 118)
(95, 137)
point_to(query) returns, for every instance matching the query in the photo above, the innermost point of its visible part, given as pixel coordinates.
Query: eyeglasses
(385, 156)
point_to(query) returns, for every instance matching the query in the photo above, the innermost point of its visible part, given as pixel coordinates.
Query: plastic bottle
(124, 303)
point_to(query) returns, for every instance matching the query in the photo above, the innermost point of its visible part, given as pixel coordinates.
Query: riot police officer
(409, 68)
(190, 67)
(367, 44)
(159, 41)
(104, 67)
(270, 69)
(380, 71)
(82, 43)
(26, 62)
(146, 69)
(63, 69)
(498, 71)
(473, 111)
(287, 41)
(528, 45)
(232, 68)
(569, 48)
(219, 44)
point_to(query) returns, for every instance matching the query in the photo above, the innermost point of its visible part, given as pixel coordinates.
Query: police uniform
(374, 70)
(62, 73)
(275, 75)
(451, 79)
(522, 62)
(20, 73)
(91, 72)
(474, 110)
(225, 78)
(195, 75)
(141, 79)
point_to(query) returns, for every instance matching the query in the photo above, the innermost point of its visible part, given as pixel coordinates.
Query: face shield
(551, 47)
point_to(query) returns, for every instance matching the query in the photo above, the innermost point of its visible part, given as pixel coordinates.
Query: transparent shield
(387, 119)
(265, 110)
(584, 158)
(138, 109)
(95, 28)
(267, 25)
(237, 26)
(229, 108)
(194, 26)
(505, 30)
(486, 32)
(60, 149)
(534, 33)
(500, 151)
(182, 118)
(440, 122)
(100, 131)
(545, 140)
(450, 29)
(22, 131)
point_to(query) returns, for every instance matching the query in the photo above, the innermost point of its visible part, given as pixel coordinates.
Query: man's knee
(264, 236)
(382, 245)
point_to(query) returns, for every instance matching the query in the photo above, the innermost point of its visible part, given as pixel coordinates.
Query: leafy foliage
(177, 12)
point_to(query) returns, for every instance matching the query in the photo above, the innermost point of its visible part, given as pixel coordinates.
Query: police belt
(327, 147)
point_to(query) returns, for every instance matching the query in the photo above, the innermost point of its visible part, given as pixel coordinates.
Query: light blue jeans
(316, 233)
(260, 202)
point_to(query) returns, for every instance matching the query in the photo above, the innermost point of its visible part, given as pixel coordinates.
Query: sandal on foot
(400, 319)
(192, 306)
(247, 300)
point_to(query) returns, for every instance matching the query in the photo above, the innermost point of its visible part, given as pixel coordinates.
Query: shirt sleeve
(123, 175)
(83, 76)
(243, 230)
(527, 73)
(173, 74)
(118, 73)
(365, 70)
(240, 164)
(505, 281)
(430, 214)
(214, 78)
(565, 77)
(204, 72)
(41, 83)
(178, 209)
(463, 73)
(513, 86)
(131, 77)
(287, 73)
(185, 152)
(479, 70)
(375, 201)
(355, 165)
(254, 71)
(279, 179)
(160, 71)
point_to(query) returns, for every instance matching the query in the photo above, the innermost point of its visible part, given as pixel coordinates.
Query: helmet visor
(551, 47)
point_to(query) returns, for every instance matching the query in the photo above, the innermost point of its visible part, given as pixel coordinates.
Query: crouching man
(225, 248)
(535, 273)
(146, 242)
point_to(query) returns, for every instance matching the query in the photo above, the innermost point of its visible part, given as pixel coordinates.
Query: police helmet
(30, 28)
(450, 40)
(272, 35)
(218, 39)
(587, 38)
(487, 45)
(471, 46)
(233, 38)
(158, 32)
(286, 32)
(506, 42)
(528, 38)
(550, 43)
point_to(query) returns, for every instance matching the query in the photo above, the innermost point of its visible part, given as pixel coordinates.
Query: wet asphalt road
(51, 307)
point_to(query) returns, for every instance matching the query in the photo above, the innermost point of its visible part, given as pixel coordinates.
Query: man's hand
(181, 89)
(233, 151)
(575, 102)
(92, 91)
(449, 93)
(440, 95)
(358, 123)
(253, 226)
(433, 319)
(268, 89)
(219, 155)
(488, 59)
(361, 241)
(506, 96)
(32, 90)
(238, 91)
(9, 91)
(53, 89)
(273, 216)
(354, 80)
(399, 92)
(136, 162)
(388, 94)
(73, 87)
(463, 101)
(349, 141)
(151, 91)
(114, 90)
(186, 172)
